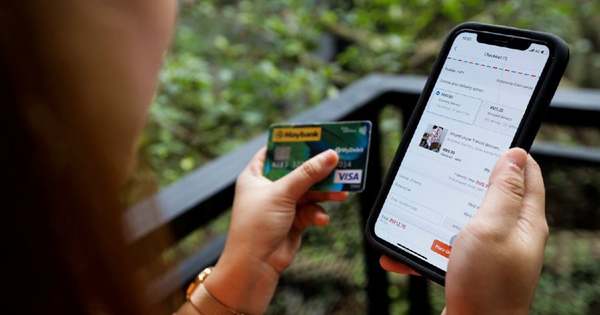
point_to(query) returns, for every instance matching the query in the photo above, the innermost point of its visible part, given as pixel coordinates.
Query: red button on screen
(441, 248)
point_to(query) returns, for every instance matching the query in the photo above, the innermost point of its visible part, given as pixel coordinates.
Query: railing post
(418, 287)
(418, 296)
(377, 280)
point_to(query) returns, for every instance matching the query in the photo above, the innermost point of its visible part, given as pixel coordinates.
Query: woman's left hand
(266, 230)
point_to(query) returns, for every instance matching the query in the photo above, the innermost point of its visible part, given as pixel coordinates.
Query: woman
(77, 79)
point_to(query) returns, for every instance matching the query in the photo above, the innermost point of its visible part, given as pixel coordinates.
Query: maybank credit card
(290, 145)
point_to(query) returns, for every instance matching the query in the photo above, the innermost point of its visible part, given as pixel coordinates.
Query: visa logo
(347, 177)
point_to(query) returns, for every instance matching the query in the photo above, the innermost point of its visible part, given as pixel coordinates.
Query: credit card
(290, 145)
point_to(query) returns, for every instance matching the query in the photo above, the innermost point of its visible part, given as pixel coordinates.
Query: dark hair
(64, 249)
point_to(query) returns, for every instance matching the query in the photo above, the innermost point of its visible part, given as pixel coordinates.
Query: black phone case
(525, 134)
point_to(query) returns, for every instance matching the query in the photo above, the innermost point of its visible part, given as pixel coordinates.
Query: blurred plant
(237, 66)
(233, 70)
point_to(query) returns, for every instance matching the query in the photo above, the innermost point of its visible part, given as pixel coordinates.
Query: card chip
(282, 153)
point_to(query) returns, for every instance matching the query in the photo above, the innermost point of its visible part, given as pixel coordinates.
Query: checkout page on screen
(470, 119)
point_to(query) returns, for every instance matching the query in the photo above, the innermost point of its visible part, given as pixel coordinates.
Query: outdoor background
(236, 67)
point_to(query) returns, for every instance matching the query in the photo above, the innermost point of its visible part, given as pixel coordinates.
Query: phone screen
(470, 119)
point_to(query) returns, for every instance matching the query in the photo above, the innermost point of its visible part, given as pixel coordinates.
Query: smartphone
(486, 93)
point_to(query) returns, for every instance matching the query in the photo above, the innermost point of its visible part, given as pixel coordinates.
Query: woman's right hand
(497, 258)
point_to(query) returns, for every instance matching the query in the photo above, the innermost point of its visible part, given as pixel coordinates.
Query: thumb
(504, 199)
(309, 173)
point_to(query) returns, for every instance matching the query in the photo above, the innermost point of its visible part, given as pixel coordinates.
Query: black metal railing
(207, 192)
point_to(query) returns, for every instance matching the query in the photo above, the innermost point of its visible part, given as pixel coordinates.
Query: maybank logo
(347, 177)
(302, 134)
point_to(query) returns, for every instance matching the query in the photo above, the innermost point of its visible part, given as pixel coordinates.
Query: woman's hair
(64, 249)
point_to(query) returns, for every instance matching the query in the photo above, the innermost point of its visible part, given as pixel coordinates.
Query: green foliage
(569, 282)
(238, 66)
(231, 73)
(235, 67)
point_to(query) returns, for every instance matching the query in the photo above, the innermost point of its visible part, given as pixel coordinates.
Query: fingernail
(517, 157)
(330, 157)
(324, 219)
